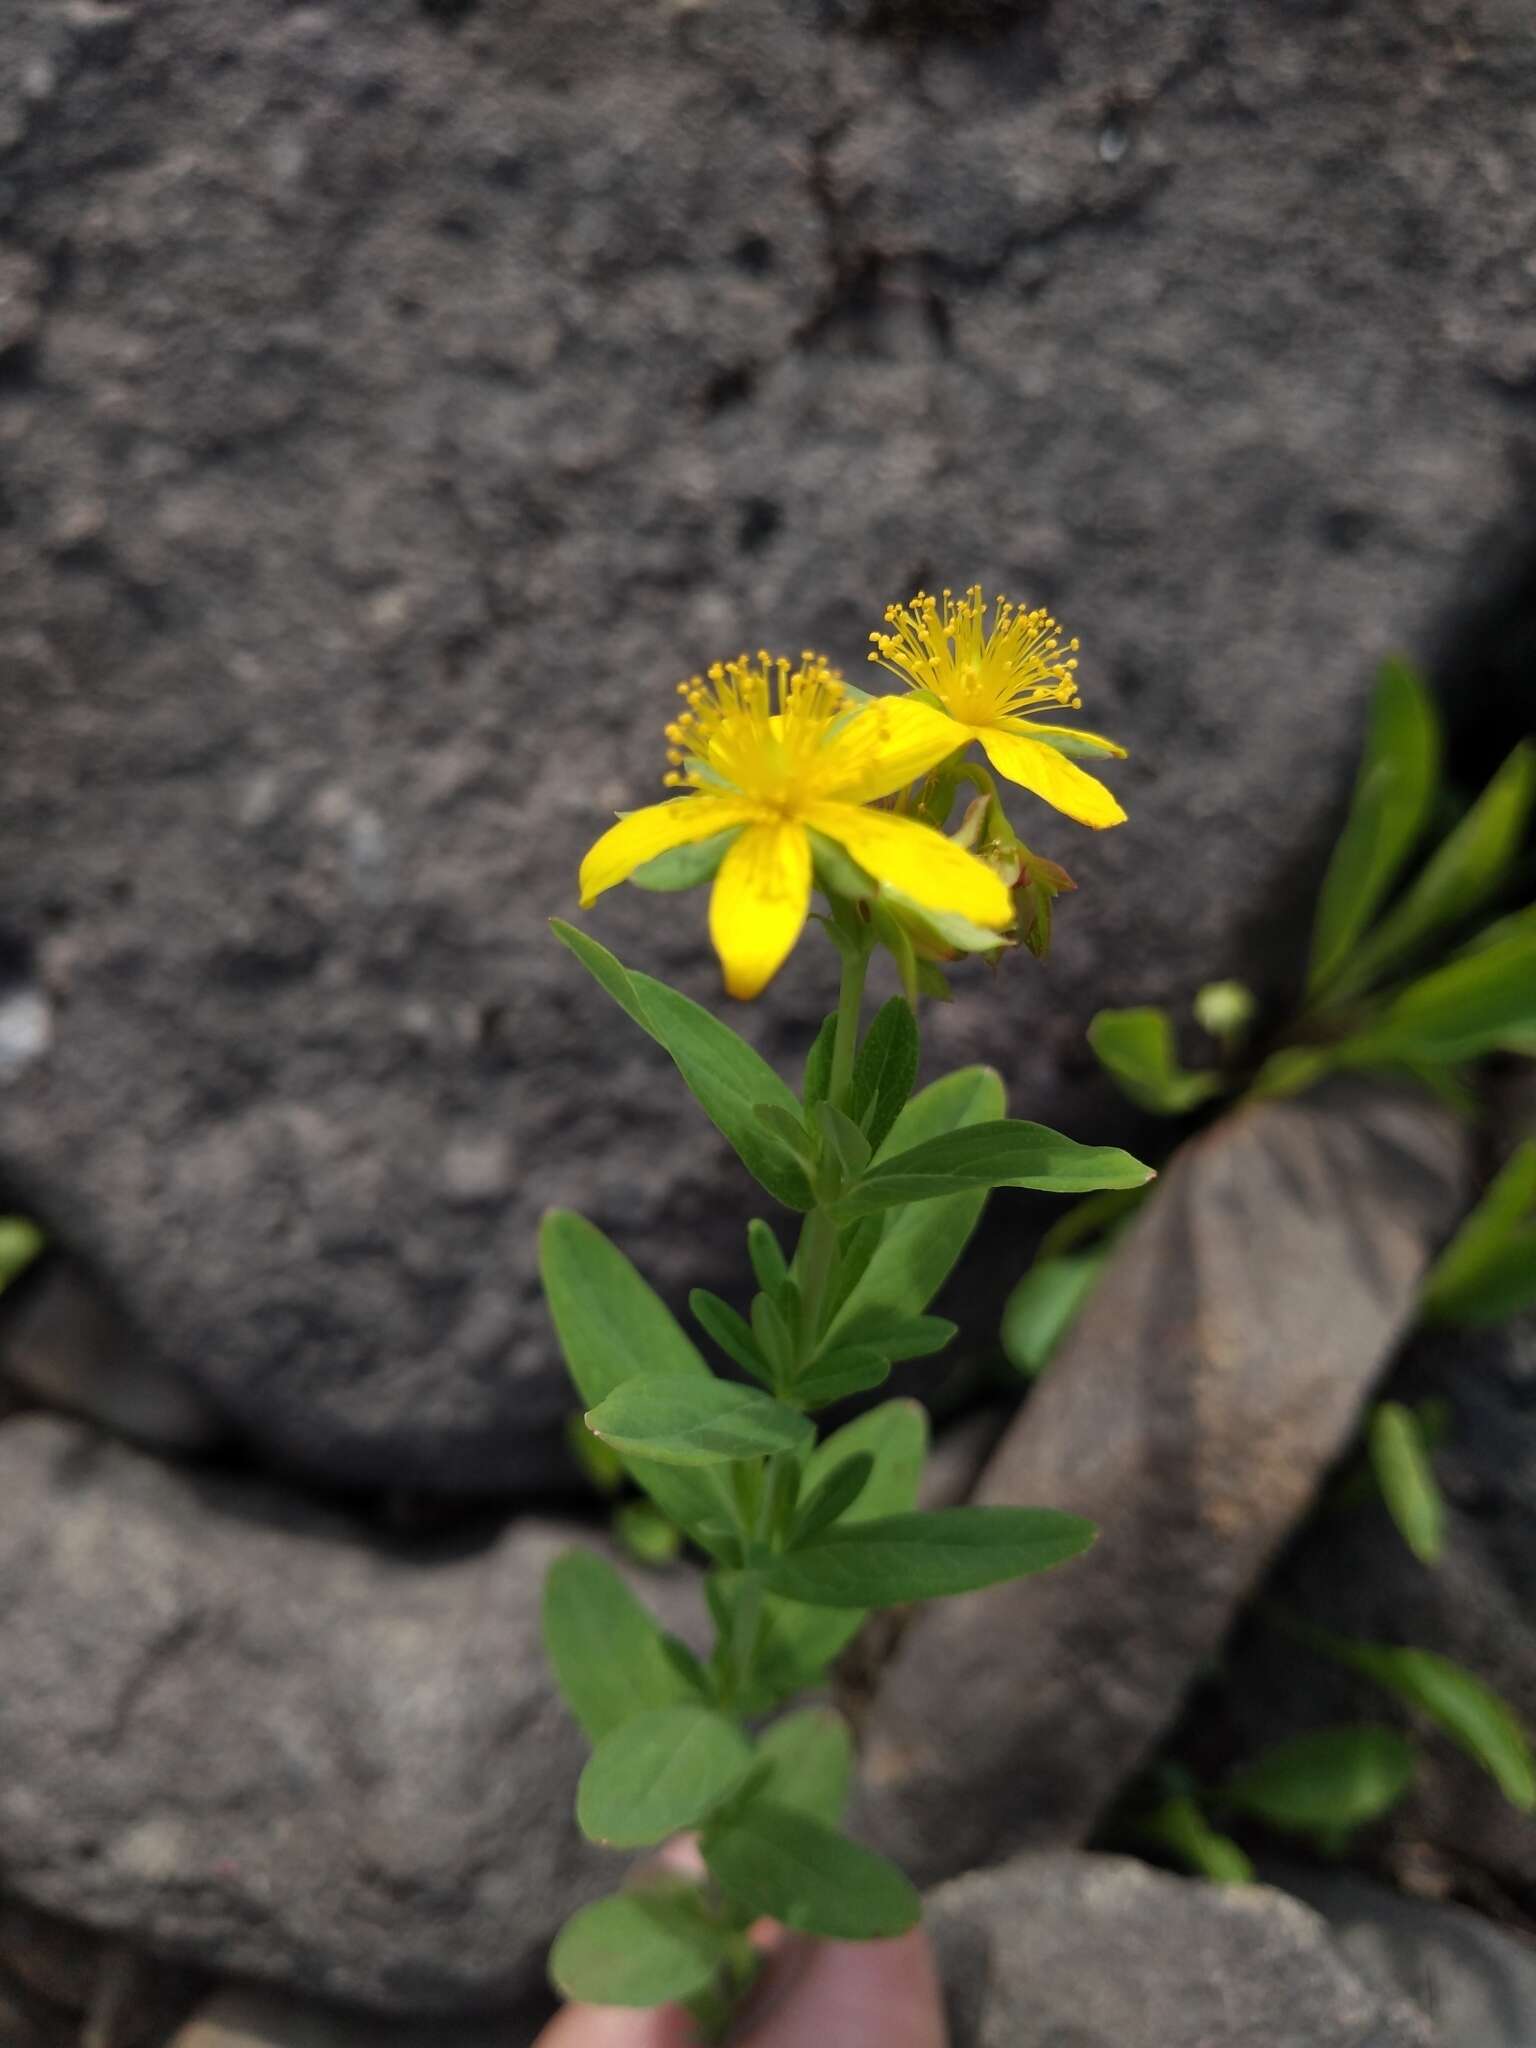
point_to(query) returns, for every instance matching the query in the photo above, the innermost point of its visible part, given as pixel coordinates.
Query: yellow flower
(989, 683)
(782, 753)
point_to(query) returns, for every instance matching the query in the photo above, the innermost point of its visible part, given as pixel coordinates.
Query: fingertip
(866, 1994)
(617, 2026)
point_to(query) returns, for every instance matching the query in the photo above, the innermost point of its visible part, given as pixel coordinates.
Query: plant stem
(850, 999)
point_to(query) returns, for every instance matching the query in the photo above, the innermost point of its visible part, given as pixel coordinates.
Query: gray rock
(411, 393)
(1214, 1376)
(266, 2019)
(1068, 1951)
(1351, 1573)
(1477, 1982)
(236, 1733)
(65, 1343)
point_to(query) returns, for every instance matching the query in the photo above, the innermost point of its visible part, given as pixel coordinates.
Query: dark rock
(1477, 1981)
(1067, 1951)
(416, 391)
(1214, 1376)
(1351, 1574)
(65, 1986)
(266, 2019)
(64, 1343)
(234, 1734)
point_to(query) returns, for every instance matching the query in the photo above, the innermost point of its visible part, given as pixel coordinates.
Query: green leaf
(20, 1243)
(1488, 1270)
(850, 1369)
(1398, 778)
(1136, 1047)
(732, 1332)
(685, 867)
(884, 1071)
(811, 1760)
(1005, 1154)
(612, 1328)
(1468, 1711)
(662, 1770)
(916, 1249)
(602, 1466)
(645, 1534)
(1182, 1829)
(898, 1336)
(1462, 874)
(678, 1421)
(901, 1558)
(651, 1945)
(842, 1138)
(832, 1497)
(1334, 1780)
(818, 1064)
(782, 1863)
(727, 1078)
(1044, 1305)
(610, 1659)
(1457, 1013)
(768, 1262)
(798, 1643)
(1400, 1460)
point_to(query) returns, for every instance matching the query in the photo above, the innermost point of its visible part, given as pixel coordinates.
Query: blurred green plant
(20, 1243)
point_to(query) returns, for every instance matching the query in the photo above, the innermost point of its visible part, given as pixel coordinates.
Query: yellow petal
(918, 861)
(759, 904)
(1090, 742)
(882, 748)
(657, 829)
(1051, 775)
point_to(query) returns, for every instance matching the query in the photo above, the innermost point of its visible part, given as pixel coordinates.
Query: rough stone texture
(233, 1733)
(1214, 1376)
(1063, 1951)
(1351, 1573)
(397, 399)
(1477, 1982)
(265, 2019)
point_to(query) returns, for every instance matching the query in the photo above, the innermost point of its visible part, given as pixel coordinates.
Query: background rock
(266, 2019)
(236, 1735)
(1351, 1573)
(395, 401)
(1215, 1374)
(1099, 1952)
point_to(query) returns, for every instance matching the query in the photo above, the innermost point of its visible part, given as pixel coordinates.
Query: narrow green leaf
(850, 1369)
(651, 1945)
(1005, 1154)
(901, 1558)
(798, 1643)
(885, 1070)
(1182, 1829)
(1335, 1779)
(1044, 1305)
(20, 1243)
(610, 1659)
(1400, 1461)
(1137, 1048)
(696, 1422)
(768, 1262)
(773, 1333)
(897, 1336)
(1468, 1711)
(915, 1250)
(1462, 874)
(832, 1497)
(685, 867)
(727, 1078)
(782, 1863)
(732, 1332)
(665, 1769)
(1475, 1279)
(612, 1328)
(841, 1136)
(811, 1764)
(1459, 1012)
(1398, 778)
(818, 1064)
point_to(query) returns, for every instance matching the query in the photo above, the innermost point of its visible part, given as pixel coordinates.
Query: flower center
(756, 727)
(980, 676)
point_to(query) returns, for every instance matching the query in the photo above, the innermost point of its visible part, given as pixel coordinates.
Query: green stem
(850, 1000)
